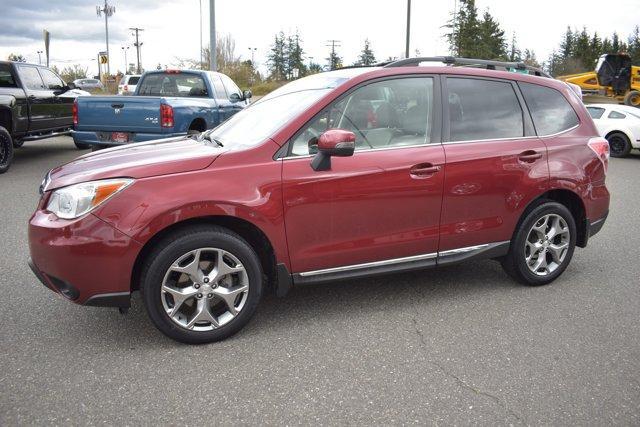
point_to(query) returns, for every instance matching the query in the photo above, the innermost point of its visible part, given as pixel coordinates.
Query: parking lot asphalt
(458, 345)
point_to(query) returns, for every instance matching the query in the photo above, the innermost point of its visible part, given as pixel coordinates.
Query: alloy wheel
(547, 244)
(204, 289)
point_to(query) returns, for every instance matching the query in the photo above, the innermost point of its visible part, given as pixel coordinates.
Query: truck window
(173, 84)
(218, 87)
(6, 78)
(133, 80)
(30, 77)
(230, 86)
(51, 80)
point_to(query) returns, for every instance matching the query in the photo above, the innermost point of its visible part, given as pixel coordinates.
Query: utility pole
(213, 66)
(333, 44)
(406, 50)
(108, 11)
(201, 61)
(39, 57)
(126, 66)
(137, 44)
(253, 51)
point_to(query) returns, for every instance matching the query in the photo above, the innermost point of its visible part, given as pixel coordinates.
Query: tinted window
(218, 87)
(483, 109)
(173, 84)
(133, 80)
(390, 113)
(30, 77)
(616, 115)
(51, 80)
(595, 112)
(230, 86)
(550, 111)
(6, 79)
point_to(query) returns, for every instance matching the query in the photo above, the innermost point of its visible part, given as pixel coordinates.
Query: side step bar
(46, 135)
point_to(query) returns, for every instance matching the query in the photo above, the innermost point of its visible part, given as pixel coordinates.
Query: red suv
(338, 175)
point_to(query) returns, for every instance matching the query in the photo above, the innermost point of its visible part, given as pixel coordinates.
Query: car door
(234, 93)
(495, 164)
(63, 102)
(42, 102)
(225, 106)
(381, 205)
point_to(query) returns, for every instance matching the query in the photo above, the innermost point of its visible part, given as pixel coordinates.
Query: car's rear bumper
(596, 226)
(86, 260)
(93, 138)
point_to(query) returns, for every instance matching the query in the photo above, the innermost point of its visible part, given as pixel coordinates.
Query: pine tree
(334, 60)
(464, 32)
(634, 46)
(277, 59)
(615, 43)
(366, 57)
(567, 44)
(294, 57)
(514, 53)
(530, 58)
(493, 44)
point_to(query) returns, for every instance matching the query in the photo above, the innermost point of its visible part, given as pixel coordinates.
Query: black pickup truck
(35, 103)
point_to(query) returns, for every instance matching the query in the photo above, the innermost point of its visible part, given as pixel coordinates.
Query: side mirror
(234, 97)
(333, 142)
(71, 85)
(247, 94)
(61, 90)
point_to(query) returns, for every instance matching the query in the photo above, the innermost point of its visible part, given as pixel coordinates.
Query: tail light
(74, 111)
(166, 116)
(600, 146)
(126, 88)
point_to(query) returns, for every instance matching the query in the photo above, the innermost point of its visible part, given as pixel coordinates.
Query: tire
(178, 251)
(81, 146)
(193, 132)
(619, 144)
(17, 143)
(632, 98)
(516, 263)
(97, 148)
(6, 150)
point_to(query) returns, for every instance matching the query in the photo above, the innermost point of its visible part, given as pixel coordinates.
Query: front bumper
(94, 138)
(85, 260)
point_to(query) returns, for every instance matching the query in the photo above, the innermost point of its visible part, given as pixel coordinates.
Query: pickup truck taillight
(74, 111)
(166, 116)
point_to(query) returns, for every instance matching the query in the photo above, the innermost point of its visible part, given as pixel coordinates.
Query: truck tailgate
(119, 113)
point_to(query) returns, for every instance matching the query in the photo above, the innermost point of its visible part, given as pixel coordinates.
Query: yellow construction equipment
(614, 80)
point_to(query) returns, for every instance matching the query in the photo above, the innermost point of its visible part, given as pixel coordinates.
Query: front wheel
(6, 150)
(202, 284)
(542, 246)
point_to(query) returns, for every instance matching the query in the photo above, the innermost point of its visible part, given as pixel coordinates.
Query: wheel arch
(6, 119)
(572, 201)
(198, 124)
(256, 238)
(625, 132)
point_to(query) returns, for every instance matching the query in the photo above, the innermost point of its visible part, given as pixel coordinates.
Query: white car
(128, 83)
(619, 124)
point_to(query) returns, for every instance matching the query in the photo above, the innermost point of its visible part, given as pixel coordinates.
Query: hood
(139, 160)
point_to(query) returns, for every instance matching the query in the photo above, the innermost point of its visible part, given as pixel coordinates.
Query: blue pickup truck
(166, 103)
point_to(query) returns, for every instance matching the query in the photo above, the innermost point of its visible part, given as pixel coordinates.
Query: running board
(46, 135)
(397, 265)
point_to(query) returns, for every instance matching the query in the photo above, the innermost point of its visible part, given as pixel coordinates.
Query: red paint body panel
(366, 208)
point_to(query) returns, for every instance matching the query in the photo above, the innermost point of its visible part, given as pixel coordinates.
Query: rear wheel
(619, 144)
(96, 147)
(81, 146)
(202, 284)
(632, 98)
(6, 150)
(543, 245)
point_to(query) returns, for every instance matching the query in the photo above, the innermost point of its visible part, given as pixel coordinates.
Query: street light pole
(39, 57)
(126, 65)
(201, 61)
(406, 52)
(213, 66)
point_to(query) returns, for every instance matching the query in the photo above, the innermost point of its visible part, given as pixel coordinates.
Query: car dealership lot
(451, 346)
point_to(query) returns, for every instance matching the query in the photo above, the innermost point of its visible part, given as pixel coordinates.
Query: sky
(172, 28)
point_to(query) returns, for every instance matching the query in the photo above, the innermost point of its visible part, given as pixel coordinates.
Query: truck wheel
(81, 146)
(543, 244)
(201, 284)
(632, 98)
(17, 143)
(6, 150)
(96, 147)
(619, 144)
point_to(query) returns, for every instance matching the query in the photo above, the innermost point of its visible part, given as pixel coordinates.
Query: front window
(173, 84)
(616, 115)
(6, 78)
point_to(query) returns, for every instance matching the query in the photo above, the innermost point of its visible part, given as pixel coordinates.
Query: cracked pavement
(459, 345)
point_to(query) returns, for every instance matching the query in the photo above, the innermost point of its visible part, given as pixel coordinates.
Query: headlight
(78, 199)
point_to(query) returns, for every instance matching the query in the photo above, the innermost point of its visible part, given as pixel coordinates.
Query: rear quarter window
(6, 78)
(595, 112)
(133, 80)
(550, 110)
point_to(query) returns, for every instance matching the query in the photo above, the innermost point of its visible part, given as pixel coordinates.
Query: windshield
(259, 121)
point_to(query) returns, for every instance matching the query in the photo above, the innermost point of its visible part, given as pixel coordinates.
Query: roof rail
(469, 62)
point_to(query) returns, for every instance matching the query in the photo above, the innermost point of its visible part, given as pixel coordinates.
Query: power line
(333, 44)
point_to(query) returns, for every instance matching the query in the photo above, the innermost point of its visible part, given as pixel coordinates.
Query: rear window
(595, 112)
(483, 109)
(616, 115)
(171, 84)
(133, 80)
(6, 79)
(550, 111)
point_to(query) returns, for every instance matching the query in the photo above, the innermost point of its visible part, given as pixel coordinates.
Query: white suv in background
(128, 83)
(619, 124)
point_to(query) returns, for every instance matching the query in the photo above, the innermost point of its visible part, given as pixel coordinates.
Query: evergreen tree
(514, 53)
(464, 34)
(582, 50)
(366, 57)
(315, 68)
(530, 58)
(277, 58)
(634, 46)
(567, 44)
(615, 43)
(294, 57)
(493, 44)
(334, 60)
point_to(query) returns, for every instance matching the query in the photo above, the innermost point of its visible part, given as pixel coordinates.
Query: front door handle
(424, 170)
(529, 156)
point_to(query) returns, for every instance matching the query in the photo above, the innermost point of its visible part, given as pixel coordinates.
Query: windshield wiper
(207, 136)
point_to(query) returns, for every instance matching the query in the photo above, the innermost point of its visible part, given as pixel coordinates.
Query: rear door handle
(529, 156)
(424, 170)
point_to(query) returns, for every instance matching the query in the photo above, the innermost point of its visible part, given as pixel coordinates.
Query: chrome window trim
(370, 149)
(393, 261)
(562, 131)
(513, 138)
